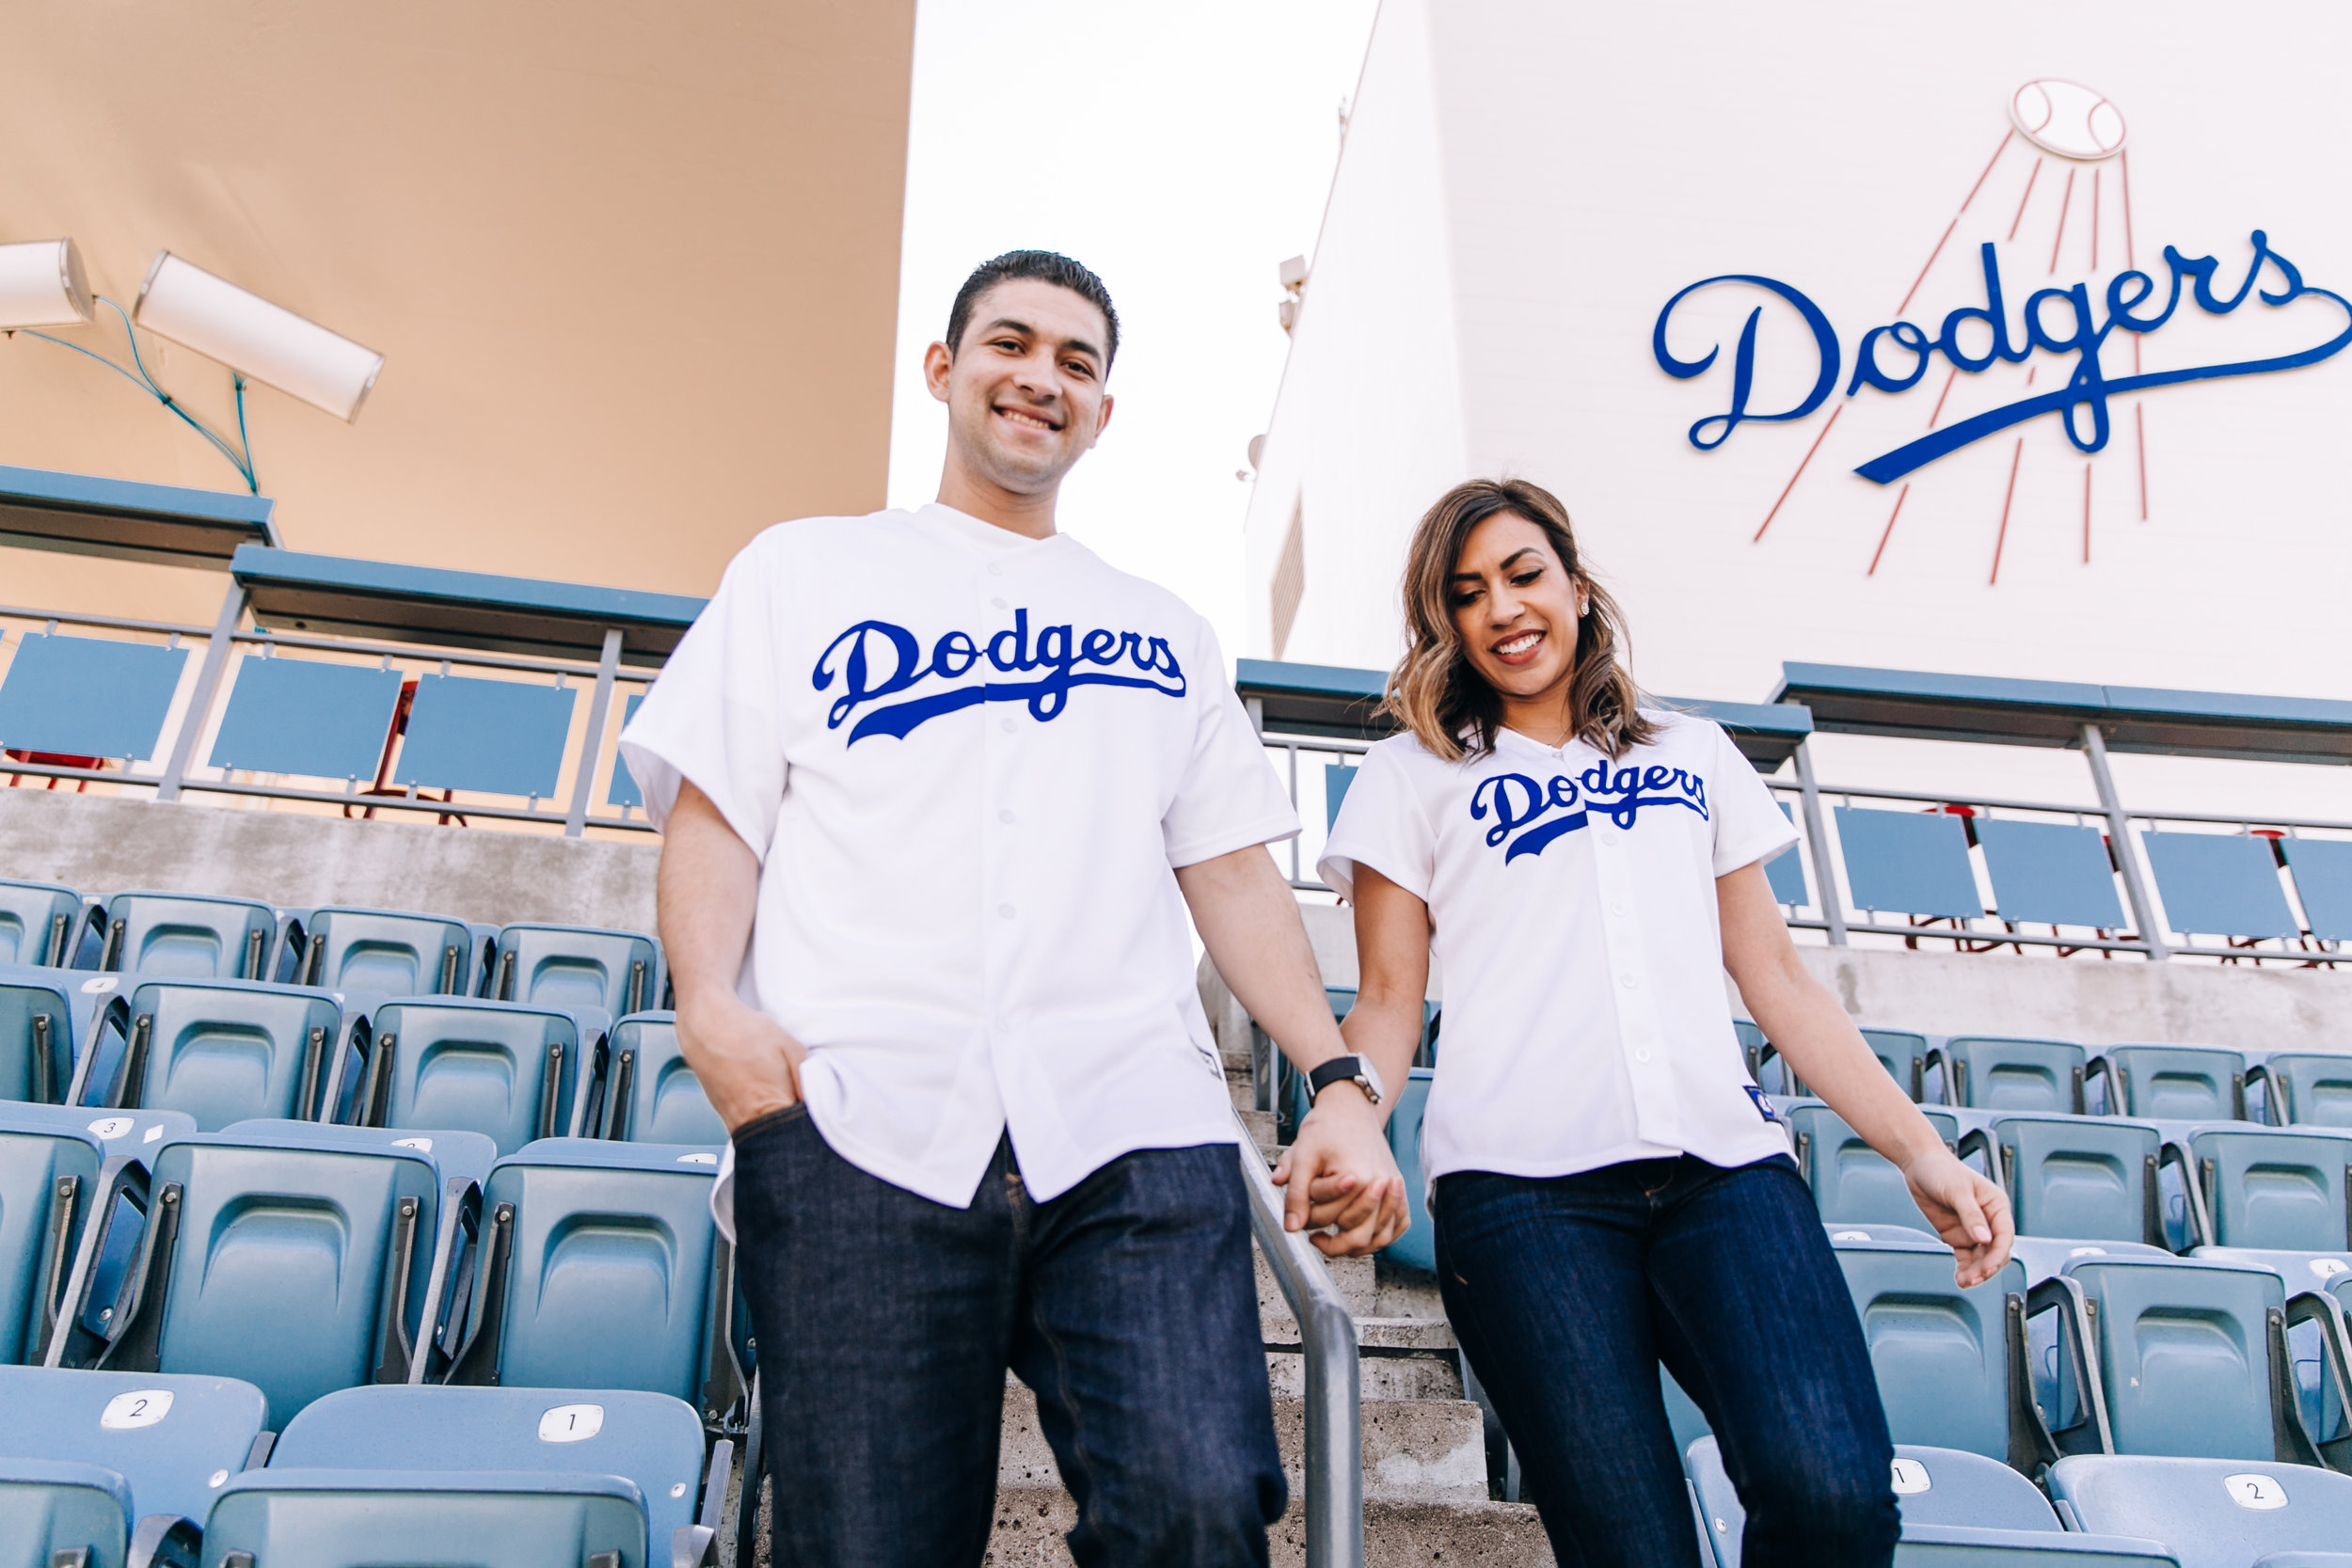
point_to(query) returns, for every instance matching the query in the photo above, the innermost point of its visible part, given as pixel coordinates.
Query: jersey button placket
(1639, 1042)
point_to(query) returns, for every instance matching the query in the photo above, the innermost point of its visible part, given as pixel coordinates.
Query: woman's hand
(1970, 1212)
(1341, 1172)
(746, 1062)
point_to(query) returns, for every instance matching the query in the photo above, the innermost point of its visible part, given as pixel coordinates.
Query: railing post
(591, 746)
(1816, 845)
(199, 706)
(2119, 836)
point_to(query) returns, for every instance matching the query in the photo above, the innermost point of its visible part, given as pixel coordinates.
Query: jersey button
(994, 570)
(1617, 908)
(999, 603)
(1629, 980)
(1003, 911)
(1009, 726)
(1003, 816)
(1642, 1053)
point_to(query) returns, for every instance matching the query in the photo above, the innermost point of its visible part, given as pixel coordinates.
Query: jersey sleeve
(715, 715)
(1749, 826)
(1228, 797)
(1382, 825)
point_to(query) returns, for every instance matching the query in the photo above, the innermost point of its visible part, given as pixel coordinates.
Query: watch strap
(1338, 1069)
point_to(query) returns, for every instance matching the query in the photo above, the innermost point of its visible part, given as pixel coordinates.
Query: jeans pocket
(768, 1121)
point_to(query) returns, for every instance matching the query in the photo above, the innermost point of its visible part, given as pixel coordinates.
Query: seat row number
(2255, 1491)
(140, 1407)
(571, 1423)
(1911, 1477)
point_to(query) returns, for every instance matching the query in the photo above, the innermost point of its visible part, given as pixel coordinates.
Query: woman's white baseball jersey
(969, 763)
(1573, 902)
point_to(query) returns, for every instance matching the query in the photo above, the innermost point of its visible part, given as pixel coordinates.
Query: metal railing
(1334, 1503)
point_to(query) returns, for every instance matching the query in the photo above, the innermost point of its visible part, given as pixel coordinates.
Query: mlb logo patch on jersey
(1763, 1104)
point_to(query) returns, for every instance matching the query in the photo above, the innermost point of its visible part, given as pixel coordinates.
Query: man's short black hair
(1047, 266)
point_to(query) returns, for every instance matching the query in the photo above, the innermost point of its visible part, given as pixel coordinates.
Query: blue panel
(500, 737)
(1336, 778)
(2053, 872)
(2323, 880)
(257, 566)
(300, 716)
(622, 790)
(88, 696)
(1908, 863)
(1785, 870)
(2219, 885)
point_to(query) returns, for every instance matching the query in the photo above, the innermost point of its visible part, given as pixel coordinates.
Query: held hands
(1969, 1212)
(747, 1064)
(1340, 1172)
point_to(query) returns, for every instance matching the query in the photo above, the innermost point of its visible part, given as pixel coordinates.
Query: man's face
(1024, 389)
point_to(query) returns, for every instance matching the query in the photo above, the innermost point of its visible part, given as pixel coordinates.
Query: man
(938, 787)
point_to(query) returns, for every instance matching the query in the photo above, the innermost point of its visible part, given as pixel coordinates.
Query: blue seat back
(387, 952)
(307, 717)
(505, 1071)
(1940, 1352)
(2176, 1083)
(2050, 872)
(2321, 868)
(2000, 1074)
(2310, 1088)
(37, 1037)
(609, 1280)
(2184, 1355)
(2282, 1191)
(40, 1223)
(56, 1505)
(1908, 863)
(87, 696)
(651, 1439)
(2084, 1178)
(572, 966)
(165, 1435)
(2213, 1510)
(1417, 1246)
(39, 922)
(185, 936)
(2218, 884)
(1902, 1053)
(220, 1051)
(357, 1518)
(497, 737)
(656, 1097)
(1853, 1184)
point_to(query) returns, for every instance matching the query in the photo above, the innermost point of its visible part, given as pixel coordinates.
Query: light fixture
(267, 342)
(42, 284)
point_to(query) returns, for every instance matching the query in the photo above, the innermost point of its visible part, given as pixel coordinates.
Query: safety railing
(1334, 1407)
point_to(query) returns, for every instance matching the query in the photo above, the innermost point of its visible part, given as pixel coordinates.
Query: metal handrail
(1334, 1503)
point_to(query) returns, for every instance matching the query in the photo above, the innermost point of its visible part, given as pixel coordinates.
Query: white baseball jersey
(1573, 901)
(969, 763)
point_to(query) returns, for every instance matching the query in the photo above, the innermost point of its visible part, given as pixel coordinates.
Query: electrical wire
(241, 460)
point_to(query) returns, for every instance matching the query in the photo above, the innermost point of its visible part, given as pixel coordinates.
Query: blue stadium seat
(2050, 872)
(360, 1518)
(162, 1447)
(1908, 863)
(1950, 1363)
(87, 696)
(1417, 1246)
(2045, 1257)
(602, 1269)
(37, 1035)
(656, 1097)
(2321, 868)
(39, 922)
(2213, 1511)
(1852, 1182)
(222, 1051)
(389, 953)
(2174, 1083)
(2074, 1177)
(301, 1264)
(510, 1072)
(1990, 1073)
(184, 936)
(48, 1175)
(2277, 1190)
(1944, 1547)
(576, 966)
(2217, 884)
(2306, 1088)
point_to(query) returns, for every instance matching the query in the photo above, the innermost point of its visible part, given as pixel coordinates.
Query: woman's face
(1515, 609)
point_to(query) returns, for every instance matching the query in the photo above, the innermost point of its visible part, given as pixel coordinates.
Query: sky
(1181, 152)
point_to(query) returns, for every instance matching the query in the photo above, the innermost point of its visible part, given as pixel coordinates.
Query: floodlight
(42, 285)
(268, 342)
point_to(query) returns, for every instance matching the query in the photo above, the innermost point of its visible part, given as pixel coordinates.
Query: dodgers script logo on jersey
(874, 660)
(1515, 800)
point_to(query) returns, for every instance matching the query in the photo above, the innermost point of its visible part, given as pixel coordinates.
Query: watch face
(1372, 1075)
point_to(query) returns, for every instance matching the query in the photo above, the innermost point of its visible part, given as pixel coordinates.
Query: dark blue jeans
(886, 1323)
(1566, 1293)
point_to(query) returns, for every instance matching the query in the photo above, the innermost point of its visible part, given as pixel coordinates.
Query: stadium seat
(1950, 1363)
(2174, 1083)
(1986, 1073)
(2219, 885)
(1908, 863)
(2213, 1512)
(2045, 1257)
(183, 936)
(222, 1051)
(656, 1097)
(602, 1269)
(574, 966)
(1902, 1053)
(300, 1264)
(48, 1175)
(1852, 1182)
(2093, 1180)
(2306, 1088)
(512, 1072)
(360, 1518)
(2050, 872)
(2175, 1357)
(37, 1035)
(2272, 1189)
(1417, 1246)
(39, 922)
(389, 953)
(162, 1447)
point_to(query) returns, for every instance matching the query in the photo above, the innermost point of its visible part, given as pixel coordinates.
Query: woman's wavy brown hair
(1435, 691)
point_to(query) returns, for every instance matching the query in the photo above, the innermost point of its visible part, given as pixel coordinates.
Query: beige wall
(634, 267)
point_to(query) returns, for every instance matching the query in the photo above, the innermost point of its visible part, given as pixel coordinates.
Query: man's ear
(937, 362)
(1102, 420)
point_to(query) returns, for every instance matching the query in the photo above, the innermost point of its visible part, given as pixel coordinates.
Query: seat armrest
(697, 1545)
(70, 1344)
(2258, 1075)
(165, 1541)
(1939, 1059)
(2200, 1230)
(2111, 1086)
(460, 1226)
(2076, 1312)
(2335, 1372)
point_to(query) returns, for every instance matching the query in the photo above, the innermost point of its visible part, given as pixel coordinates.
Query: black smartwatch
(1346, 1070)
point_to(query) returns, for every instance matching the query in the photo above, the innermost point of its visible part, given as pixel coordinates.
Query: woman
(1609, 1188)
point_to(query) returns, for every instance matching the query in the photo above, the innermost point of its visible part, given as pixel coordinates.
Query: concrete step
(1031, 1521)
(1358, 1283)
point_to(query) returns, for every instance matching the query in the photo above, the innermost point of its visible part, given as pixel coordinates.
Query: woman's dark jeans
(886, 1322)
(1568, 1291)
